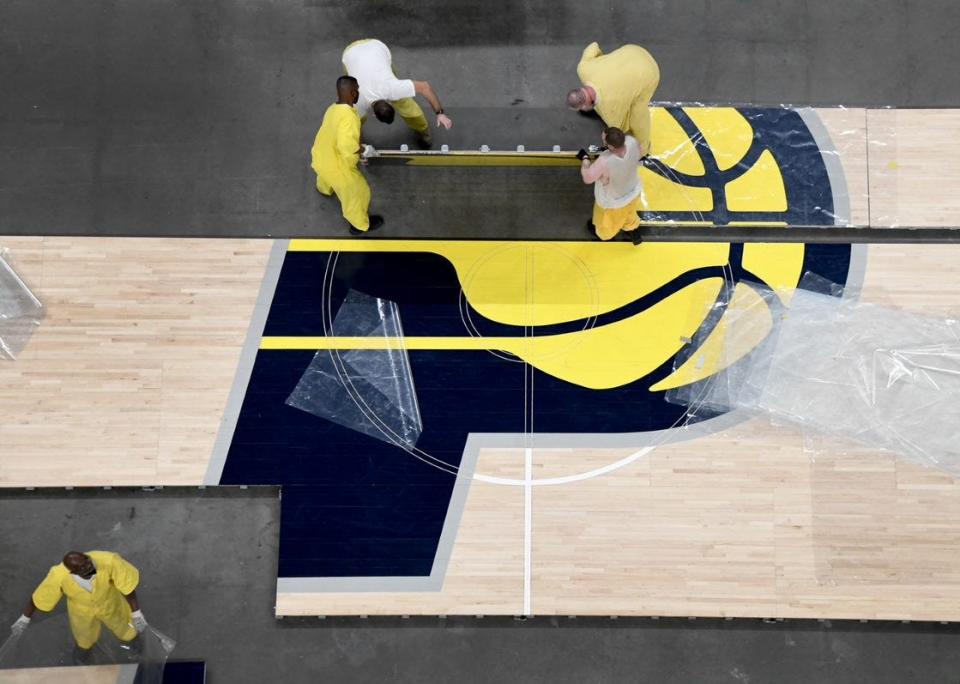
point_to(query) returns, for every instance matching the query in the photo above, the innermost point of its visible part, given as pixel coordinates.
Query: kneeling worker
(335, 155)
(99, 586)
(616, 184)
(370, 62)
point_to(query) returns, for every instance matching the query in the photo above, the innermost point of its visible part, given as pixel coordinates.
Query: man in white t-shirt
(616, 182)
(369, 61)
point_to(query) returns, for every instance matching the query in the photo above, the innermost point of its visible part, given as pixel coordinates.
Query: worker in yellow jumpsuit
(100, 590)
(335, 155)
(619, 86)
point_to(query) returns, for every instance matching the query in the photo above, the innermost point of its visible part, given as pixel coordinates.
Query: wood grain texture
(125, 380)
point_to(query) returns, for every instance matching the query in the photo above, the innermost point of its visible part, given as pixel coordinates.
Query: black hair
(384, 111)
(344, 83)
(615, 137)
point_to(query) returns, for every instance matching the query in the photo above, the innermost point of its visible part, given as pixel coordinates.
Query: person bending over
(370, 62)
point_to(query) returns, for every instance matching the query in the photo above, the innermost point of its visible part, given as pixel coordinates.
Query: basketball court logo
(522, 338)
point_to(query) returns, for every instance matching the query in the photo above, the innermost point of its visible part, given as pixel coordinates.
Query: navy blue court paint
(185, 672)
(356, 506)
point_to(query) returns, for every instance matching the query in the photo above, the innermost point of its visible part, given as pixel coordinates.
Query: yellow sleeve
(592, 51)
(348, 139)
(315, 153)
(125, 576)
(586, 64)
(47, 595)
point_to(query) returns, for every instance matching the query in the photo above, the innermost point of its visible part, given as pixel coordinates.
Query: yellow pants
(86, 627)
(609, 222)
(410, 112)
(354, 194)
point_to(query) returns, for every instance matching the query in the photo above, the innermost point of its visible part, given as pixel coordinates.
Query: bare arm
(132, 600)
(591, 173)
(424, 89)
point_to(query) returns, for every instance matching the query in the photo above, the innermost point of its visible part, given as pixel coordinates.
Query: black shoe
(82, 656)
(592, 229)
(375, 222)
(425, 140)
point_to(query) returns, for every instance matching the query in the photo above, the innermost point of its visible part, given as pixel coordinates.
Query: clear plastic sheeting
(733, 341)
(47, 647)
(369, 389)
(20, 311)
(879, 376)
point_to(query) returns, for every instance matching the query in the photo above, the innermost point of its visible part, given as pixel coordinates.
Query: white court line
(529, 481)
(527, 528)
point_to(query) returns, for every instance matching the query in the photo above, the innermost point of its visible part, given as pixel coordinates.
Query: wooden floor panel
(132, 364)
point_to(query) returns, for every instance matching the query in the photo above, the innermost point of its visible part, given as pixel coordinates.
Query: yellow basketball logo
(606, 315)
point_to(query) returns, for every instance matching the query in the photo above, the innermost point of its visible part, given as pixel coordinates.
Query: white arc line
(529, 481)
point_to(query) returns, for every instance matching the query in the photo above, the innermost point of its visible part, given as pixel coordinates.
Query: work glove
(139, 622)
(20, 626)
(582, 154)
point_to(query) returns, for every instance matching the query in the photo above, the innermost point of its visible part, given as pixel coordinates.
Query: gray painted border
(831, 159)
(248, 355)
(841, 198)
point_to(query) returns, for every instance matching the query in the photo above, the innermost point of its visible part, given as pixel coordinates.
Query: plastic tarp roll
(879, 376)
(20, 311)
(367, 384)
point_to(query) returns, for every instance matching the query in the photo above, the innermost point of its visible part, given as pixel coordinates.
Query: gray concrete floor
(170, 118)
(209, 559)
(152, 117)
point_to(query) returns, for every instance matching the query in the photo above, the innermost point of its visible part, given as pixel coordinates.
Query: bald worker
(100, 589)
(335, 155)
(619, 86)
(370, 62)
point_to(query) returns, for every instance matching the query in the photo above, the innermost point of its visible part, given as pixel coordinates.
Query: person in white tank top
(616, 184)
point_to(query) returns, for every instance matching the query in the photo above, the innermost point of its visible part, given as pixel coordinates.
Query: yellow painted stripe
(678, 223)
(414, 343)
(309, 245)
